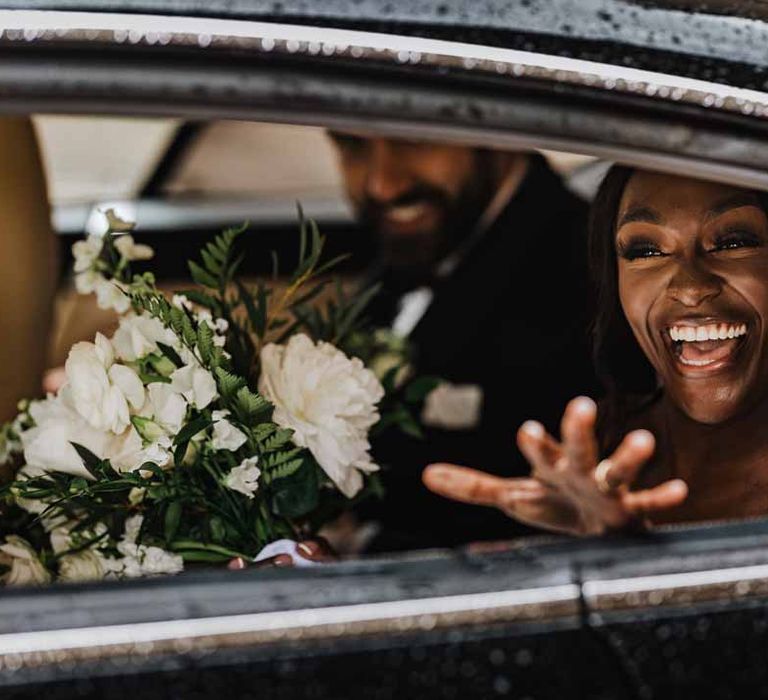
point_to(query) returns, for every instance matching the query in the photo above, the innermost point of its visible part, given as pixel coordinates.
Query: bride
(681, 343)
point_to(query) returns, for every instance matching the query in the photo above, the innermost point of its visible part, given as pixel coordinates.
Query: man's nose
(387, 177)
(693, 284)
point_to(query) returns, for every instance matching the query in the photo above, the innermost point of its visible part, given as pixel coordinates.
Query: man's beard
(417, 252)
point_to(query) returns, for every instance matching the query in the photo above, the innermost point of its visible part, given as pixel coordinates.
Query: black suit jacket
(513, 318)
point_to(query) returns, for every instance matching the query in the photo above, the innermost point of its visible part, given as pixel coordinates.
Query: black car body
(676, 86)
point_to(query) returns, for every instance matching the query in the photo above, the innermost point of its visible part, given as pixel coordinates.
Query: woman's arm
(28, 270)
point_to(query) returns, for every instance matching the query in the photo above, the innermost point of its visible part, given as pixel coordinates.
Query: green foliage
(188, 508)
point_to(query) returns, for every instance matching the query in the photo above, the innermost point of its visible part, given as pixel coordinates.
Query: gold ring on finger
(601, 478)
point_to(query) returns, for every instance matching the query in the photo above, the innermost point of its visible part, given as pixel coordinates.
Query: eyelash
(731, 240)
(640, 249)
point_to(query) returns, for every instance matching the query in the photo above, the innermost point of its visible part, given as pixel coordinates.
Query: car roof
(715, 34)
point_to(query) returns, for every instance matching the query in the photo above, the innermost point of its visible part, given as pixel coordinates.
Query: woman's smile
(702, 347)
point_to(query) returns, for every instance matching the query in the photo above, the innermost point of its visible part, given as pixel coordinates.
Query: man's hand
(568, 490)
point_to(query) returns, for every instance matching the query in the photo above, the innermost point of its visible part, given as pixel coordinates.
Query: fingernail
(439, 471)
(584, 405)
(236, 564)
(679, 485)
(642, 438)
(283, 560)
(308, 549)
(533, 429)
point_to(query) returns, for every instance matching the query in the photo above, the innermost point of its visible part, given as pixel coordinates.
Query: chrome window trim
(65, 27)
(40, 648)
(669, 590)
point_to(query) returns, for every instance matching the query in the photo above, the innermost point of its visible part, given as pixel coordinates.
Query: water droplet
(501, 685)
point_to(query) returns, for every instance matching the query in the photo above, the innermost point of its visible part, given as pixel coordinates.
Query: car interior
(183, 182)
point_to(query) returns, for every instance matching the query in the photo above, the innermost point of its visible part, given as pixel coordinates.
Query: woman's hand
(569, 489)
(315, 550)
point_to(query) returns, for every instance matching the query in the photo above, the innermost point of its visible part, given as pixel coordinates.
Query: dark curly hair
(627, 377)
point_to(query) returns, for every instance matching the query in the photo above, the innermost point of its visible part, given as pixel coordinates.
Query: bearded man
(482, 261)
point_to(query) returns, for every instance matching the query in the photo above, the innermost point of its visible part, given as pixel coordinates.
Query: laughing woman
(681, 340)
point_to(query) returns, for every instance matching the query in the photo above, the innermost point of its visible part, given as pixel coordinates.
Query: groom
(482, 258)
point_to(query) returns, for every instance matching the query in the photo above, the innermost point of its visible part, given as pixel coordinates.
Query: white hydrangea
(328, 400)
(245, 477)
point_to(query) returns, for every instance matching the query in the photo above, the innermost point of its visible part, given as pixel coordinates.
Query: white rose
(130, 250)
(48, 445)
(138, 335)
(25, 568)
(328, 400)
(225, 435)
(195, 384)
(82, 566)
(244, 478)
(102, 392)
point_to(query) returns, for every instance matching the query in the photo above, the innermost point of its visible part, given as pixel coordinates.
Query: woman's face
(693, 282)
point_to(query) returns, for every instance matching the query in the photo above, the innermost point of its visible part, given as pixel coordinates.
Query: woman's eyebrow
(639, 213)
(742, 199)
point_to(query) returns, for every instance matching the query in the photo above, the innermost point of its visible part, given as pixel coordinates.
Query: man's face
(420, 198)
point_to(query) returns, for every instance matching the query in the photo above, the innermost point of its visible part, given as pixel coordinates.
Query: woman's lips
(703, 348)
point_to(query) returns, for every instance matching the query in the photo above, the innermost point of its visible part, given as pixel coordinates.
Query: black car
(676, 86)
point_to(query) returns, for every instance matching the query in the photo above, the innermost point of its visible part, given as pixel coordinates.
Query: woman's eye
(736, 239)
(640, 250)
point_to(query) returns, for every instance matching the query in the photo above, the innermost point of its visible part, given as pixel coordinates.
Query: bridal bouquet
(208, 426)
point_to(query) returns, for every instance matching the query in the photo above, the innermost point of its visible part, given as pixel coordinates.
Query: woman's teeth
(712, 331)
(706, 345)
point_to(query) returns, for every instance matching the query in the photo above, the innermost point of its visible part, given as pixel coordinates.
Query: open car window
(187, 121)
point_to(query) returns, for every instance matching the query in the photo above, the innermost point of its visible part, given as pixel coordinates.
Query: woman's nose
(693, 284)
